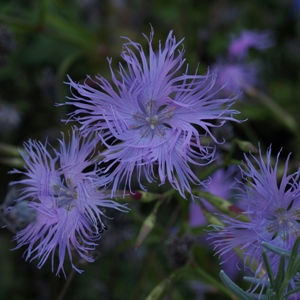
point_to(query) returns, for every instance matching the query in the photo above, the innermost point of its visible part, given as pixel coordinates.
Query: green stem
(212, 280)
(222, 205)
(283, 116)
(42, 13)
(66, 286)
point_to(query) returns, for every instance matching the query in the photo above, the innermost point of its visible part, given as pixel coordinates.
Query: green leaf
(276, 249)
(157, 292)
(234, 288)
(279, 280)
(268, 268)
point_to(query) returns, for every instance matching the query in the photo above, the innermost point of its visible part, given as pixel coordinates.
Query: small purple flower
(234, 77)
(294, 9)
(151, 113)
(222, 185)
(273, 211)
(240, 45)
(10, 118)
(67, 200)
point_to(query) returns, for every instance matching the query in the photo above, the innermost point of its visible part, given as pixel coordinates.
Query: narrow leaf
(234, 288)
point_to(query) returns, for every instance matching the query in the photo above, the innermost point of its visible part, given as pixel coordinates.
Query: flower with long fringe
(273, 211)
(153, 118)
(63, 189)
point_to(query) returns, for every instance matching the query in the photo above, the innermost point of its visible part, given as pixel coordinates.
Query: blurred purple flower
(150, 114)
(66, 198)
(294, 9)
(273, 211)
(222, 184)
(240, 45)
(10, 118)
(233, 77)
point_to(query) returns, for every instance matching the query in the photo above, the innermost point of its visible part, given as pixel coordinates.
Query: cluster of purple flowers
(151, 117)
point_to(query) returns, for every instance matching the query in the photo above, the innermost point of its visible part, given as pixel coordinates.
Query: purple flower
(294, 9)
(222, 185)
(273, 211)
(240, 45)
(234, 77)
(66, 198)
(151, 114)
(10, 118)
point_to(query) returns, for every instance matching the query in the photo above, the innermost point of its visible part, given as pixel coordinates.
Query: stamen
(65, 195)
(285, 217)
(152, 122)
(155, 118)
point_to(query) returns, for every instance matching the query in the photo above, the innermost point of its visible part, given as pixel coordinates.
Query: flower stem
(212, 280)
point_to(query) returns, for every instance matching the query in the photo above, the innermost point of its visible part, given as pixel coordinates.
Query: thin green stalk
(282, 115)
(43, 5)
(66, 286)
(212, 280)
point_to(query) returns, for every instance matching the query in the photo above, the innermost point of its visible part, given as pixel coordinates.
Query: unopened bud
(146, 229)
(156, 293)
(148, 225)
(143, 197)
(246, 146)
(17, 217)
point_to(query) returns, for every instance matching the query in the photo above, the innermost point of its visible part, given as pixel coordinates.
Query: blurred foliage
(43, 41)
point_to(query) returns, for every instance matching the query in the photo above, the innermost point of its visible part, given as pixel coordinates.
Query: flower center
(65, 194)
(152, 119)
(152, 122)
(284, 222)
